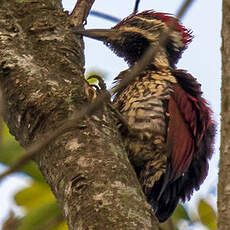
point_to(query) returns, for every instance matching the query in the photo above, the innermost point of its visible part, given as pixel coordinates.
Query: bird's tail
(163, 197)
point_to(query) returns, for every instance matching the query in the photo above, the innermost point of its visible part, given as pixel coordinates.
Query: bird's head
(133, 35)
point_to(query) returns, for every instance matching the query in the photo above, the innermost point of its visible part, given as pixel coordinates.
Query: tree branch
(80, 12)
(42, 82)
(137, 2)
(224, 174)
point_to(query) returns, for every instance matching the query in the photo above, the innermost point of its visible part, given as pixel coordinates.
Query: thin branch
(80, 12)
(136, 6)
(101, 100)
(104, 16)
(184, 8)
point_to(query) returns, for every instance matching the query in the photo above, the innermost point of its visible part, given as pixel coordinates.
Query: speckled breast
(144, 106)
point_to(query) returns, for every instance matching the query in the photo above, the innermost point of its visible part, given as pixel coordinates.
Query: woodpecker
(172, 127)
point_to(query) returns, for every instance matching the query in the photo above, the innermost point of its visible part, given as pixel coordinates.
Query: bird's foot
(101, 89)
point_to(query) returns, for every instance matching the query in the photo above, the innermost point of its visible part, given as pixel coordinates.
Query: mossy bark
(42, 83)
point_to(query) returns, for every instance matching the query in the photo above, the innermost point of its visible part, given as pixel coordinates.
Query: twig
(80, 12)
(101, 100)
(104, 16)
(182, 10)
(136, 6)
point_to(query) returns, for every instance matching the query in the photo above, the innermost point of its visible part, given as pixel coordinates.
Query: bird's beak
(99, 34)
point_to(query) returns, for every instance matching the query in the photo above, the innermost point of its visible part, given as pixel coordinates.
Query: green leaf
(180, 213)
(38, 194)
(207, 215)
(6, 136)
(45, 217)
(10, 151)
(94, 80)
(61, 226)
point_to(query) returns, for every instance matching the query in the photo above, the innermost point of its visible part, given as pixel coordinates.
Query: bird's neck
(160, 60)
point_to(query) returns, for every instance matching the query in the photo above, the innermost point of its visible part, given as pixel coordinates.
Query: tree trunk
(42, 83)
(224, 174)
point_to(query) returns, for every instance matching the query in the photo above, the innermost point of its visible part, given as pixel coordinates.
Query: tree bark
(224, 174)
(42, 83)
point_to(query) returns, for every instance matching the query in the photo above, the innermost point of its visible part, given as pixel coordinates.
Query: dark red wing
(189, 121)
(191, 133)
(182, 130)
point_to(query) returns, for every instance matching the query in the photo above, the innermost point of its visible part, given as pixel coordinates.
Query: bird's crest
(164, 17)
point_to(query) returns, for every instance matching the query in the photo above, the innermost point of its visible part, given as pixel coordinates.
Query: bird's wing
(190, 139)
(189, 121)
(182, 131)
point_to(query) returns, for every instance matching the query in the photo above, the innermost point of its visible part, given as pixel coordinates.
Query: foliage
(207, 215)
(41, 209)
